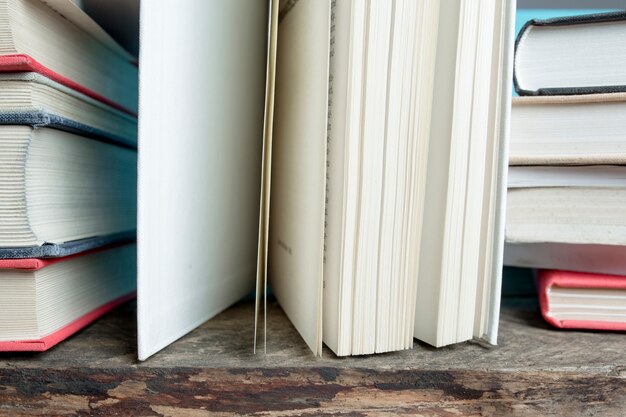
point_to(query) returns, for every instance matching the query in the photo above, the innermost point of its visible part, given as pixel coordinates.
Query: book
(578, 129)
(352, 159)
(580, 205)
(47, 300)
(566, 217)
(58, 40)
(60, 187)
(573, 300)
(571, 55)
(32, 99)
(523, 15)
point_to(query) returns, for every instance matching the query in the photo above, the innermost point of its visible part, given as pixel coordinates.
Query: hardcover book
(47, 300)
(32, 99)
(567, 217)
(581, 54)
(59, 187)
(56, 39)
(573, 300)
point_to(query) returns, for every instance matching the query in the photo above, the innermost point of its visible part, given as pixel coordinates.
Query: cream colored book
(567, 217)
(567, 183)
(568, 130)
(349, 155)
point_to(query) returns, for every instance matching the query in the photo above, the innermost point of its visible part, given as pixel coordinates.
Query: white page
(488, 302)
(299, 166)
(430, 260)
(460, 273)
(202, 91)
(264, 212)
(336, 143)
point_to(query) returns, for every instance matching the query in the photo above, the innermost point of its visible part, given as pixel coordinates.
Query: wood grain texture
(149, 391)
(535, 371)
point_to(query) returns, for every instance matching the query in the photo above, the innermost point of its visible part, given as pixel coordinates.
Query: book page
(202, 93)
(266, 176)
(296, 240)
(335, 154)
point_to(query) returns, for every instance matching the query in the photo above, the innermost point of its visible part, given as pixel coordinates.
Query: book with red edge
(45, 301)
(577, 300)
(55, 38)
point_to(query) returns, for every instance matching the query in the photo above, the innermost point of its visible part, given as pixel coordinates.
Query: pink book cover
(22, 62)
(566, 279)
(46, 342)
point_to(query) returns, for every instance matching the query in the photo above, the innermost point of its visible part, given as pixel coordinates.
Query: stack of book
(68, 103)
(566, 205)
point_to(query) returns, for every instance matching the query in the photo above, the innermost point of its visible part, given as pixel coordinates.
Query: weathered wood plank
(536, 370)
(147, 391)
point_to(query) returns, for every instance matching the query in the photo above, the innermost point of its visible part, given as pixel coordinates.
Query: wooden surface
(535, 371)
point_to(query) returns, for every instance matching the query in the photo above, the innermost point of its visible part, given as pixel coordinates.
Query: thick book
(568, 130)
(351, 155)
(583, 54)
(59, 187)
(567, 217)
(57, 39)
(44, 301)
(32, 99)
(573, 300)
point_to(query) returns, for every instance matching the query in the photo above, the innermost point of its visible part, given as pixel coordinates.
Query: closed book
(583, 54)
(568, 130)
(59, 187)
(47, 300)
(32, 99)
(573, 300)
(567, 217)
(56, 39)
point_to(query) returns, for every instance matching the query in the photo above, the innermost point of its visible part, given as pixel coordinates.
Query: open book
(373, 135)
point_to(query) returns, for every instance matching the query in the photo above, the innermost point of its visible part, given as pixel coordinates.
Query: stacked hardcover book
(566, 205)
(68, 103)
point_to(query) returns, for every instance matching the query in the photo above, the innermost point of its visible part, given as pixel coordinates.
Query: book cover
(60, 250)
(46, 342)
(548, 279)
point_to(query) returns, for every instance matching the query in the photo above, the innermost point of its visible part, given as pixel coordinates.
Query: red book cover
(21, 62)
(565, 279)
(46, 342)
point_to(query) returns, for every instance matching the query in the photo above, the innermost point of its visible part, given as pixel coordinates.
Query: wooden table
(536, 370)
